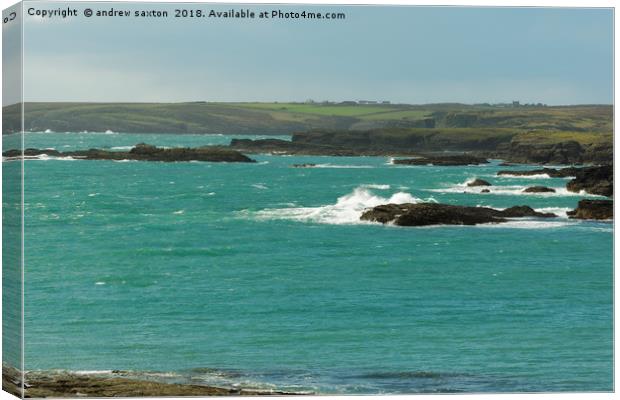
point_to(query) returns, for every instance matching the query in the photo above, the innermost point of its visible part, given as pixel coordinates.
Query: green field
(581, 123)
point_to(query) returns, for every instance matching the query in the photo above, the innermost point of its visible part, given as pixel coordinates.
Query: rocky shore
(597, 180)
(144, 152)
(593, 209)
(66, 384)
(424, 214)
(594, 180)
(454, 160)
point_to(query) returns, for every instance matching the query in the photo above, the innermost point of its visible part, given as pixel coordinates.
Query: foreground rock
(593, 209)
(64, 384)
(594, 180)
(478, 182)
(423, 214)
(444, 160)
(144, 152)
(538, 189)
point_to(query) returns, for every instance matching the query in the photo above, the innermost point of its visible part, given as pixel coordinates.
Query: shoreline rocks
(424, 214)
(551, 172)
(593, 209)
(145, 152)
(453, 160)
(594, 180)
(538, 189)
(59, 384)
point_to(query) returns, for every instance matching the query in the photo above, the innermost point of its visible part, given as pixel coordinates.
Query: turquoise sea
(261, 275)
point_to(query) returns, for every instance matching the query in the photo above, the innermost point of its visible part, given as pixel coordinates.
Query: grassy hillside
(287, 118)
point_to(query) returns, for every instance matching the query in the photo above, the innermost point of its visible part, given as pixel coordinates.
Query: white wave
(510, 190)
(376, 186)
(45, 157)
(92, 372)
(344, 166)
(121, 148)
(537, 176)
(347, 209)
(123, 161)
(390, 161)
(99, 283)
(260, 186)
(109, 132)
(179, 212)
(529, 224)
(559, 211)
(48, 131)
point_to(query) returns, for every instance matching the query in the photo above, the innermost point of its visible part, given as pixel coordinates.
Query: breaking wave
(346, 210)
(508, 190)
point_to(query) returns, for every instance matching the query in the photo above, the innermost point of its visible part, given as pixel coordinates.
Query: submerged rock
(454, 160)
(593, 209)
(423, 214)
(594, 180)
(485, 191)
(538, 189)
(478, 182)
(306, 165)
(145, 152)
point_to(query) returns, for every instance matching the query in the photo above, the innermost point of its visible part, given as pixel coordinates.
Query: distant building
(516, 103)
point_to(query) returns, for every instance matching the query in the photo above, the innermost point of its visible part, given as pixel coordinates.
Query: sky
(402, 54)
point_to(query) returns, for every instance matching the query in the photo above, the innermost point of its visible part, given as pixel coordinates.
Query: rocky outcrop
(454, 160)
(478, 182)
(565, 152)
(40, 384)
(145, 152)
(569, 152)
(423, 214)
(551, 172)
(593, 209)
(594, 180)
(538, 189)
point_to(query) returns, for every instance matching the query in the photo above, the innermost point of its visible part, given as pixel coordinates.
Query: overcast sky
(402, 54)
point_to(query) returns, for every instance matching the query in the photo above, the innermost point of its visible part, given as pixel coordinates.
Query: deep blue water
(262, 275)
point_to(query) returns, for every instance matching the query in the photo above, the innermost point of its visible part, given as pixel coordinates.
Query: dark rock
(145, 152)
(478, 182)
(309, 165)
(538, 189)
(568, 152)
(593, 209)
(594, 180)
(444, 160)
(485, 191)
(552, 172)
(423, 214)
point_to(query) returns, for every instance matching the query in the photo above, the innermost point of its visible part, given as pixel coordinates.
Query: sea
(261, 275)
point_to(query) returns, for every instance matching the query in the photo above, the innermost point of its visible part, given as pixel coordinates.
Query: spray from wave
(346, 210)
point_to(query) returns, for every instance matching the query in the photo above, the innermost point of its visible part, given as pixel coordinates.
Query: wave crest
(346, 210)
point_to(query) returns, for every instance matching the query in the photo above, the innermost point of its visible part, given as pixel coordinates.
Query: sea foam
(346, 210)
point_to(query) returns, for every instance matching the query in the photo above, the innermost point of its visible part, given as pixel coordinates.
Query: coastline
(42, 384)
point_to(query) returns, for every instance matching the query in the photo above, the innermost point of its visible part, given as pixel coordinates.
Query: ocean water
(261, 275)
